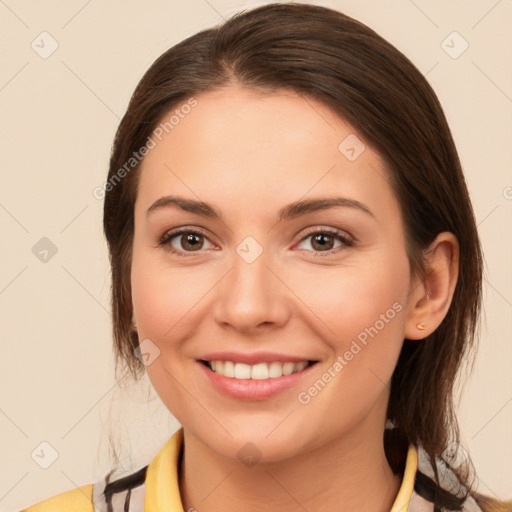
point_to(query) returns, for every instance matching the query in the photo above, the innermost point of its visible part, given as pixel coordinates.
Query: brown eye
(192, 241)
(184, 241)
(326, 241)
(322, 241)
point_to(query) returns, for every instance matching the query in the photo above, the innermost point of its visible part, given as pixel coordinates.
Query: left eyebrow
(290, 211)
(314, 205)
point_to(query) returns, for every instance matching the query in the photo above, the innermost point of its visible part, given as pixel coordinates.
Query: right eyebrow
(187, 205)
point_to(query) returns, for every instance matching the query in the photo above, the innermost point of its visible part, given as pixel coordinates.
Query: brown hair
(325, 55)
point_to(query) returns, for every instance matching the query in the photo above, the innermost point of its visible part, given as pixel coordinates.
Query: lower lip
(253, 389)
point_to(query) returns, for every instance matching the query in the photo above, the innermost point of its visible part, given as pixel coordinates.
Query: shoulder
(449, 493)
(125, 493)
(75, 500)
(489, 504)
(100, 496)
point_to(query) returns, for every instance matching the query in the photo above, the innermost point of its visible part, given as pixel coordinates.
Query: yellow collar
(163, 492)
(404, 495)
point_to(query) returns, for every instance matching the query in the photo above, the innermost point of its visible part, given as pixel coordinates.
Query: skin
(249, 155)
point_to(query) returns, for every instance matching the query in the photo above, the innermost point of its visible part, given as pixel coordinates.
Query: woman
(296, 265)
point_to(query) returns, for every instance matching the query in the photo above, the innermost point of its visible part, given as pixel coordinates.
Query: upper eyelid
(202, 231)
(172, 233)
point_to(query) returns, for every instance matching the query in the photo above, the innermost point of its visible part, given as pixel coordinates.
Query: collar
(405, 492)
(162, 489)
(163, 493)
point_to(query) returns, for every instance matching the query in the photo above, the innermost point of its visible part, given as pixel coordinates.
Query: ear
(430, 299)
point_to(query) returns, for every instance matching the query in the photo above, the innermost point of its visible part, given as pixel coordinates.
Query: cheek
(162, 296)
(360, 313)
(347, 299)
(374, 316)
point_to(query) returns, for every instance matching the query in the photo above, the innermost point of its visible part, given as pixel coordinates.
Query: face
(265, 283)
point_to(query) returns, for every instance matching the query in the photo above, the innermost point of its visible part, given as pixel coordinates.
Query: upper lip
(255, 358)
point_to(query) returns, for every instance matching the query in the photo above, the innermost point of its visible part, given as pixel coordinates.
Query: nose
(251, 296)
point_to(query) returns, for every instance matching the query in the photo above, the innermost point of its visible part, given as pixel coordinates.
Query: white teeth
(287, 368)
(275, 369)
(242, 371)
(229, 369)
(302, 365)
(260, 371)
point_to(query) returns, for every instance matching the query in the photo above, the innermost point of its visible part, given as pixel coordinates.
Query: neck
(348, 473)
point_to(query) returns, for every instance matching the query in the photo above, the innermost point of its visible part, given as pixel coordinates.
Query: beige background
(58, 117)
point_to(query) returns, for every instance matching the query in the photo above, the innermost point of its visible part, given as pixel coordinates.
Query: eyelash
(345, 240)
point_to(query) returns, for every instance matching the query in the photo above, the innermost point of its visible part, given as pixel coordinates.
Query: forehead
(246, 146)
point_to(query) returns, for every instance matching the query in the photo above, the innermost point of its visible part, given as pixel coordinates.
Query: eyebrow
(292, 210)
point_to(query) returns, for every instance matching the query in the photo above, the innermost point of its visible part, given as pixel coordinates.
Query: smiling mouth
(260, 371)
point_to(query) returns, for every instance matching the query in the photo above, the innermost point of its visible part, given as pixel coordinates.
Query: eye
(323, 241)
(184, 242)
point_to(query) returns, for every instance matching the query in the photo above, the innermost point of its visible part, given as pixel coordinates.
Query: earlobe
(431, 298)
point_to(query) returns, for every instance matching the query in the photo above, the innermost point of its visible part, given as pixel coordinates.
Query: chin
(252, 441)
